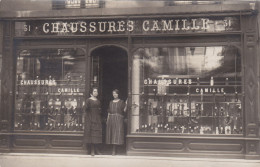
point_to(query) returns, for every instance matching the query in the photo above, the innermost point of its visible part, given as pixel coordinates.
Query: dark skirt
(92, 131)
(92, 126)
(115, 129)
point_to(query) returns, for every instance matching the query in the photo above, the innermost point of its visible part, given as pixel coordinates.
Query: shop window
(187, 90)
(50, 90)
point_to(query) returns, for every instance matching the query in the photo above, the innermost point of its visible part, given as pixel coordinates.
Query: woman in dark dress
(93, 127)
(115, 126)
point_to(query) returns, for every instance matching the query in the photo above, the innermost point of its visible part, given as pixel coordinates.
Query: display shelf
(47, 133)
(185, 94)
(191, 113)
(206, 84)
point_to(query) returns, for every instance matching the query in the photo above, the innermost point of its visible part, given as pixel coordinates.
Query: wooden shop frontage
(190, 80)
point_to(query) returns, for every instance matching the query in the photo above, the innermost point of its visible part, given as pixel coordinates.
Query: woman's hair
(116, 90)
(92, 89)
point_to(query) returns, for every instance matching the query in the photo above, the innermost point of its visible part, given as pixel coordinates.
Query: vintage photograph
(129, 83)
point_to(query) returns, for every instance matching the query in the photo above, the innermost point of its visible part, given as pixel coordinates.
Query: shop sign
(37, 82)
(187, 85)
(210, 90)
(175, 81)
(68, 90)
(30, 87)
(127, 26)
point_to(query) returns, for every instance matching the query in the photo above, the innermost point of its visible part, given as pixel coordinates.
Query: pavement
(72, 160)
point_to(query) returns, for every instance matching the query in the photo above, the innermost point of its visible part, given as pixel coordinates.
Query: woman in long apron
(93, 127)
(115, 120)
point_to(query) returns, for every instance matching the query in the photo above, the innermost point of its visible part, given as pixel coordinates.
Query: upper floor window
(66, 4)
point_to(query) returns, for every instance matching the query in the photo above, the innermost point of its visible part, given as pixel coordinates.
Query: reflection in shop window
(50, 89)
(187, 90)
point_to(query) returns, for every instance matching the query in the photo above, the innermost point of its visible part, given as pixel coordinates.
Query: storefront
(191, 82)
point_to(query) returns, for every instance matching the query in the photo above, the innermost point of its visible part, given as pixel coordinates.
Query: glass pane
(72, 3)
(95, 71)
(187, 90)
(50, 90)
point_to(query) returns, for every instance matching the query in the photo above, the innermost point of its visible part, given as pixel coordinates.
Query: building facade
(189, 71)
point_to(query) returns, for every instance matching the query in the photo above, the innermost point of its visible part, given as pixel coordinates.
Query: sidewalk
(69, 160)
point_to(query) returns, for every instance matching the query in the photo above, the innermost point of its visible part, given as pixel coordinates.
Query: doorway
(109, 72)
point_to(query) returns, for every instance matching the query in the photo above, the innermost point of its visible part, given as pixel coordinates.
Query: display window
(187, 90)
(50, 90)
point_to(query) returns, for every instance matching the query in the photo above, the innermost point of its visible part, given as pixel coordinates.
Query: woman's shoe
(98, 151)
(114, 150)
(92, 150)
